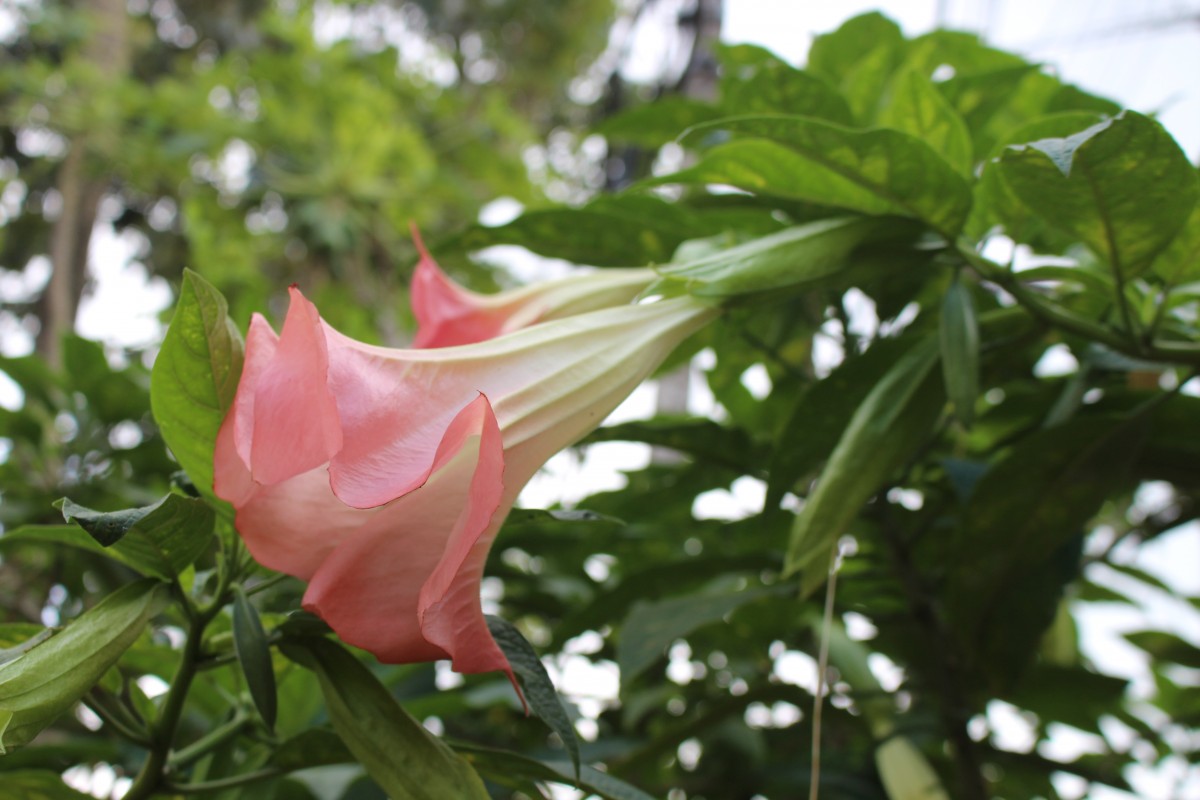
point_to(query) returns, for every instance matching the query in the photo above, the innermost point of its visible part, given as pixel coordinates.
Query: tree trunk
(107, 49)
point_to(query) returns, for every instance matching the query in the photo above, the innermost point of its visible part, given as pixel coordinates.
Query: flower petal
(296, 424)
(447, 314)
(231, 456)
(406, 585)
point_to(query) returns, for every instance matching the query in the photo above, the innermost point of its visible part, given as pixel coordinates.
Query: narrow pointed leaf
(1123, 187)
(48, 679)
(500, 765)
(195, 376)
(539, 689)
(254, 656)
(887, 428)
(959, 337)
(401, 756)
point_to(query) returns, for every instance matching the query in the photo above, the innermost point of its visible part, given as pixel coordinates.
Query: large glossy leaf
(919, 109)
(874, 172)
(398, 753)
(755, 81)
(655, 124)
(159, 540)
(611, 231)
(892, 421)
(49, 678)
(1029, 507)
(195, 377)
(858, 59)
(1180, 261)
(1123, 187)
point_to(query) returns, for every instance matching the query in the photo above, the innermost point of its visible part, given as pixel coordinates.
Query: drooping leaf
(48, 679)
(159, 540)
(539, 689)
(1123, 187)
(892, 421)
(401, 756)
(874, 172)
(651, 627)
(195, 377)
(254, 656)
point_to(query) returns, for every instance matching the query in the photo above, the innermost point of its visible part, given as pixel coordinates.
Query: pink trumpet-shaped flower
(447, 314)
(381, 476)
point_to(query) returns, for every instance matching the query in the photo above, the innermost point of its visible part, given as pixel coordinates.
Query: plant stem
(814, 785)
(1059, 317)
(231, 782)
(150, 778)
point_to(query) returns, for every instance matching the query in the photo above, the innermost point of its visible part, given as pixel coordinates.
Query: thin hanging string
(835, 563)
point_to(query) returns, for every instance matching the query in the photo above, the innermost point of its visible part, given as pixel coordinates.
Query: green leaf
(651, 627)
(48, 679)
(906, 773)
(500, 765)
(159, 541)
(1022, 520)
(539, 689)
(1123, 187)
(800, 257)
(874, 172)
(254, 656)
(958, 334)
(858, 58)
(398, 753)
(755, 81)
(195, 377)
(1166, 647)
(1072, 695)
(655, 124)
(919, 109)
(1180, 261)
(822, 413)
(889, 425)
(36, 784)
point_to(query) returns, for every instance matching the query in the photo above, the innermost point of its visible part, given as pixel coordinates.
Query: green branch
(1057, 316)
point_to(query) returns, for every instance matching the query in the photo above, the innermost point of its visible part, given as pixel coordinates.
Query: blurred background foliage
(266, 143)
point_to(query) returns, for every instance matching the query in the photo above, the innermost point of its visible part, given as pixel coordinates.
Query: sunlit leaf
(195, 377)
